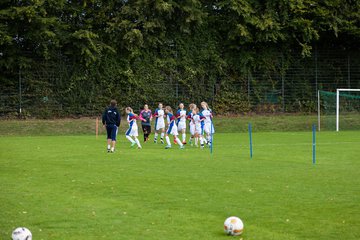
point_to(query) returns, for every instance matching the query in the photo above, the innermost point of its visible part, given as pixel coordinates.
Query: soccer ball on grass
(21, 233)
(233, 226)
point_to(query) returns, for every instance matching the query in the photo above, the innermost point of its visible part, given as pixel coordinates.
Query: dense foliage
(78, 54)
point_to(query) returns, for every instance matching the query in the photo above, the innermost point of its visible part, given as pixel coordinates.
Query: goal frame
(337, 105)
(338, 90)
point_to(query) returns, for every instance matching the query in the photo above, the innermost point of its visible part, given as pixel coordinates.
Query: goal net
(339, 110)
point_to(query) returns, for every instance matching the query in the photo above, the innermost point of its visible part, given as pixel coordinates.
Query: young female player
(181, 121)
(191, 122)
(133, 128)
(199, 119)
(208, 127)
(159, 123)
(145, 116)
(172, 128)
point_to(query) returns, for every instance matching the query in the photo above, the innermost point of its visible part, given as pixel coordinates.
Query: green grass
(67, 187)
(261, 123)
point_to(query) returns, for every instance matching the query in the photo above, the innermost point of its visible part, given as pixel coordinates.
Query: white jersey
(181, 119)
(182, 114)
(133, 128)
(159, 121)
(208, 115)
(197, 121)
(191, 123)
(172, 128)
(131, 119)
(199, 125)
(190, 116)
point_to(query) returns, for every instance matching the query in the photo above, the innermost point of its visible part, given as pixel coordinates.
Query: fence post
(213, 98)
(20, 95)
(318, 108)
(249, 87)
(316, 69)
(177, 90)
(283, 83)
(348, 67)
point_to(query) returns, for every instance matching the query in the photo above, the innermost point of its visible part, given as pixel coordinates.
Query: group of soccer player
(201, 127)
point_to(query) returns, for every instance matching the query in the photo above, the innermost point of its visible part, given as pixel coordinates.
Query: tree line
(79, 54)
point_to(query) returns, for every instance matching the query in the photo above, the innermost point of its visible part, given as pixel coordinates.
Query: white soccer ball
(21, 233)
(233, 226)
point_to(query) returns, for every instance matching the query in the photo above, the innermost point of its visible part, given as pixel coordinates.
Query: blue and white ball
(21, 233)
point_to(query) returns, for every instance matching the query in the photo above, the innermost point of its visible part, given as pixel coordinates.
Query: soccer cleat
(182, 147)
(139, 147)
(133, 144)
(202, 146)
(168, 146)
(155, 140)
(161, 141)
(108, 150)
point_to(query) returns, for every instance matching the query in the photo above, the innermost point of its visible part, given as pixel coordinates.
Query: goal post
(338, 108)
(338, 91)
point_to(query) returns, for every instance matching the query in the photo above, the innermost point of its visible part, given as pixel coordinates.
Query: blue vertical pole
(313, 144)
(250, 139)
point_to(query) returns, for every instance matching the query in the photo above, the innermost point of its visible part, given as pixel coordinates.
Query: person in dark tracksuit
(145, 117)
(111, 120)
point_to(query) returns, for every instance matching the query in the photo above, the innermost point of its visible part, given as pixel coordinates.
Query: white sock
(201, 141)
(108, 147)
(168, 140)
(112, 149)
(130, 139)
(156, 135)
(137, 142)
(178, 141)
(184, 137)
(162, 135)
(196, 141)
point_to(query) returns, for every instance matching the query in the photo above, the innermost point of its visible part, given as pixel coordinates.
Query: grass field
(261, 123)
(68, 187)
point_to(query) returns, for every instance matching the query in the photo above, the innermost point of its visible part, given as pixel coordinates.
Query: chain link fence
(290, 87)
